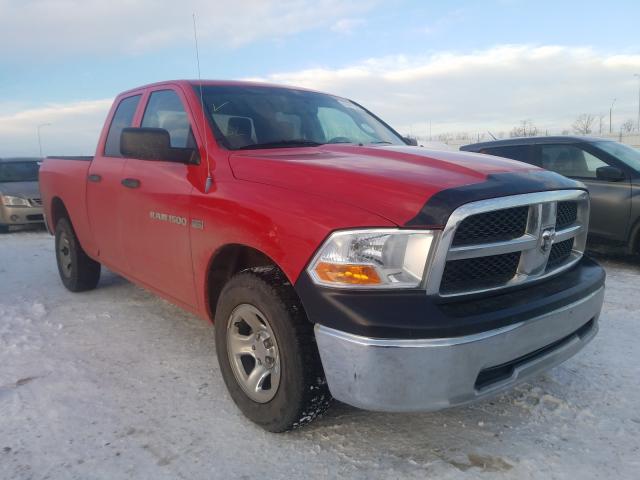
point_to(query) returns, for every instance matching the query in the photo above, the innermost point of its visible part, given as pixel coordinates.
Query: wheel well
(228, 261)
(58, 211)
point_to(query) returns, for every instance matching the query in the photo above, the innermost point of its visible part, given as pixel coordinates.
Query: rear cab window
(122, 118)
(165, 110)
(337, 124)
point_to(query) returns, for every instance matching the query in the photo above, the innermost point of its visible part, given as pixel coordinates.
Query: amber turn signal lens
(347, 274)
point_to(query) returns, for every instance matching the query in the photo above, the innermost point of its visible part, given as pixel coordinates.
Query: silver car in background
(20, 202)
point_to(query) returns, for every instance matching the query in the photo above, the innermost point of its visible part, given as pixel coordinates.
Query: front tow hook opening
(491, 376)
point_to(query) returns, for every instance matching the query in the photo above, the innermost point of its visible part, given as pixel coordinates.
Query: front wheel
(267, 352)
(77, 271)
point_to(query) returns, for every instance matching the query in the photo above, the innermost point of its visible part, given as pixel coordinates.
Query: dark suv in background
(610, 170)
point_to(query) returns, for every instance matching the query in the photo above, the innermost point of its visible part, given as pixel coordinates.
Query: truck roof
(533, 141)
(240, 83)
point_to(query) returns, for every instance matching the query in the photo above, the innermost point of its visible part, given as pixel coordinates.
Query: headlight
(10, 201)
(388, 258)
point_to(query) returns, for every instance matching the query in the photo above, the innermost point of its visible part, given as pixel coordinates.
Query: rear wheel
(77, 271)
(267, 352)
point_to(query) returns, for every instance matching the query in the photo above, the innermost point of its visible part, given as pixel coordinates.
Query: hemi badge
(199, 224)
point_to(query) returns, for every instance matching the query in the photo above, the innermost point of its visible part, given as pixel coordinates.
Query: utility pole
(638, 75)
(39, 139)
(610, 114)
(600, 129)
(600, 124)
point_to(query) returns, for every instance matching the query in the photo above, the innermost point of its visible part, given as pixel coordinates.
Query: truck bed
(65, 178)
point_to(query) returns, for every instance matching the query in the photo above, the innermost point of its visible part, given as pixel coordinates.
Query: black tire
(77, 271)
(302, 393)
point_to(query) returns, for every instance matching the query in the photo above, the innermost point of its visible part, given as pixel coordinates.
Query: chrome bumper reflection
(431, 374)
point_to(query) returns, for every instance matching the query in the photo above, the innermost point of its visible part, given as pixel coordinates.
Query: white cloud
(74, 128)
(492, 89)
(489, 89)
(57, 28)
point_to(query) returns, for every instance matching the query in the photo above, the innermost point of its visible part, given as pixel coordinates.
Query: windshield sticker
(215, 109)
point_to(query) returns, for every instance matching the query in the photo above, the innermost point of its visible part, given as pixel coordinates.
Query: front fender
(285, 225)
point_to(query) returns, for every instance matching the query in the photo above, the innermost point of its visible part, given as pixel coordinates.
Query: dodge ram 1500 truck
(334, 259)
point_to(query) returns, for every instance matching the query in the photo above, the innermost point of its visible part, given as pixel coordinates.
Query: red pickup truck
(335, 259)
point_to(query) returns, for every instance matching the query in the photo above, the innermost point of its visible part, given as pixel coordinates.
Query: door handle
(94, 178)
(130, 182)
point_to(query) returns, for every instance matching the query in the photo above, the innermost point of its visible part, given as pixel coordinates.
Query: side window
(337, 124)
(514, 152)
(123, 118)
(238, 131)
(570, 161)
(288, 125)
(165, 110)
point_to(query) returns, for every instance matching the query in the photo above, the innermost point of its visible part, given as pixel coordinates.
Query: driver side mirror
(610, 174)
(153, 144)
(410, 141)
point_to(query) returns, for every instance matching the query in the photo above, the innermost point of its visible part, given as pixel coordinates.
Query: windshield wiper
(381, 142)
(282, 143)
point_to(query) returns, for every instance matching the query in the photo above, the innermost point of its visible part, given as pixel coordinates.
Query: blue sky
(463, 66)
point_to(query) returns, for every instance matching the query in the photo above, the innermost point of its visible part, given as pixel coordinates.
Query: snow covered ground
(117, 383)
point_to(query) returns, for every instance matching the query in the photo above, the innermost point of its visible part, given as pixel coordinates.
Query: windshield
(246, 117)
(18, 172)
(624, 153)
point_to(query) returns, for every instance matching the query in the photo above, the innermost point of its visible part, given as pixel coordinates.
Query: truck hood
(393, 182)
(20, 189)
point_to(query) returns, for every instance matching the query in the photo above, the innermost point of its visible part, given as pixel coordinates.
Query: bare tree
(525, 129)
(445, 137)
(583, 124)
(627, 127)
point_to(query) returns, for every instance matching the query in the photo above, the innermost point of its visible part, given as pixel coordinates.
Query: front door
(104, 191)
(610, 201)
(157, 195)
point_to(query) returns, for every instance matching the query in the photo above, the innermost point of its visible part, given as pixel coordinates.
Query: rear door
(157, 195)
(610, 201)
(104, 191)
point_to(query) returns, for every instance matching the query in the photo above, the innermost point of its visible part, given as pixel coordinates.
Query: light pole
(610, 113)
(39, 140)
(638, 75)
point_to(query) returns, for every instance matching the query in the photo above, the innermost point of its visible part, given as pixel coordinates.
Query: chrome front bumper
(431, 374)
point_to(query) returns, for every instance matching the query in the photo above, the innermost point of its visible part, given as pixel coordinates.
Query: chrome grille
(501, 242)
